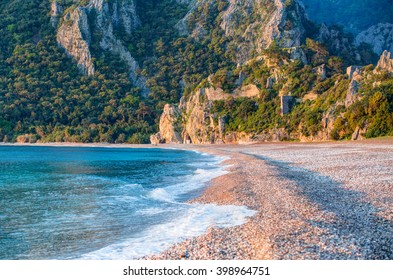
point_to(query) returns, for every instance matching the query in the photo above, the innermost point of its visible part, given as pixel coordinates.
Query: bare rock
(352, 93)
(353, 71)
(170, 125)
(26, 138)
(321, 71)
(379, 36)
(156, 139)
(286, 103)
(358, 134)
(73, 35)
(272, 21)
(55, 13)
(242, 77)
(385, 62)
(249, 91)
(270, 82)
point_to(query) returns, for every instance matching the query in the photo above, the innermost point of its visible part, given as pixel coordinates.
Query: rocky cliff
(379, 36)
(74, 33)
(196, 121)
(385, 62)
(252, 26)
(170, 126)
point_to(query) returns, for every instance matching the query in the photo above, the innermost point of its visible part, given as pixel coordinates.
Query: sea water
(104, 203)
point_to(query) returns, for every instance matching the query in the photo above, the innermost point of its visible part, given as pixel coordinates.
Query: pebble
(314, 201)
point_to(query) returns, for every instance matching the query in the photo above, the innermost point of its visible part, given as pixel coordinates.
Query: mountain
(200, 71)
(355, 16)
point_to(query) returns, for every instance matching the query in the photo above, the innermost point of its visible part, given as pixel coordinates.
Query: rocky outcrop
(55, 13)
(182, 25)
(336, 42)
(286, 104)
(353, 71)
(270, 82)
(355, 77)
(194, 122)
(321, 71)
(200, 125)
(379, 36)
(249, 91)
(385, 62)
(277, 21)
(284, 24)
(74, 34)
(170, 125)
(352, 93)
(26, 138)
(358, 134)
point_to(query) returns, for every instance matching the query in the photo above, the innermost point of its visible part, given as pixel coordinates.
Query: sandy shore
(314, 201)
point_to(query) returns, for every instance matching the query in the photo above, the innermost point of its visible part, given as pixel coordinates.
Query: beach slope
(314, 201)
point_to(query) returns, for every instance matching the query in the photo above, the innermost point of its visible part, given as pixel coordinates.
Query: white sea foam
(161, 195)
(189, 220)
(195, 220)
(151, 211)
(189, 184)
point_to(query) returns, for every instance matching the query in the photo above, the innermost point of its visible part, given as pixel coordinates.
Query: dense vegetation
(43, 94)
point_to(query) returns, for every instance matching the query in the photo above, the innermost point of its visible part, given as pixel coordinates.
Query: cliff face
(55, 13)
(74, 33)
(336, 42)
(379, 36)
(385, 62)
(196, 121)
(252, 25)
(201, 126)
(170, 126)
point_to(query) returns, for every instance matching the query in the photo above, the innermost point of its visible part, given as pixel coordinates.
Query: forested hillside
(142, 55)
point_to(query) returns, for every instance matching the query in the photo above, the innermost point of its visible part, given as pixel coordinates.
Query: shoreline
(325, 200)
(311, 201)
(385, 139)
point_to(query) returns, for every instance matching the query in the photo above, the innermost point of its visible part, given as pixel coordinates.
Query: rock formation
(247, 91)
(355, 77)
(379, 36)
(336, 41)
(277, 21)
(56, 12)
(74, 34)
(286, 104)
(170, 125)
(353, 71)
(200, 125)
(385, 62)
(196, 122)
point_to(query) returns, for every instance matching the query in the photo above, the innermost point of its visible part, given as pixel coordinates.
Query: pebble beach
(319, 201)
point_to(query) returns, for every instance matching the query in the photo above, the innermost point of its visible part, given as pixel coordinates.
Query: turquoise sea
(104, 203)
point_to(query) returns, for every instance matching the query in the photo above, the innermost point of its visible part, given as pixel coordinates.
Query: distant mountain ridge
(355, 16)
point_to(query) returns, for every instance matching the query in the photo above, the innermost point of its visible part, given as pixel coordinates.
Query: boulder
(353, 71)
(385, 62)
(170, 125)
